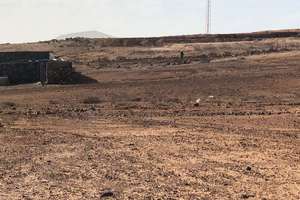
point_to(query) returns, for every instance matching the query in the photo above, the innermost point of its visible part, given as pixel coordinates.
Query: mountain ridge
(84, 34)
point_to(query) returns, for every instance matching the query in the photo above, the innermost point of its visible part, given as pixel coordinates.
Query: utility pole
(208, 17)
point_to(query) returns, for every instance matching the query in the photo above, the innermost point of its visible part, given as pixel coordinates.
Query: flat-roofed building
(33, 66)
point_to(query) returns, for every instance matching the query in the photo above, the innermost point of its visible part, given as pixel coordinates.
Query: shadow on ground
(78, 78)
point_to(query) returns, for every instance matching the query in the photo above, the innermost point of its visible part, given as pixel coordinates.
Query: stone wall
(202, 38)
(59, 72)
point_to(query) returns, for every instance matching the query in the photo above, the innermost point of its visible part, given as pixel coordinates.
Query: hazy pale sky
(34, 20)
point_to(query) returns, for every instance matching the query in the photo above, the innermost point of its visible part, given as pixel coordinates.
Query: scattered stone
(8, 104)
(197, 104)
(38, 83)
(92, 100)
(248, 168)
(247, 196)
(107, 193)
(53, 102)
(93, 108)
(138, 99)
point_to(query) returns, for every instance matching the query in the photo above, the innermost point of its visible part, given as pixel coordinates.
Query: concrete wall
(30, 72)
(6, 57)
(18, 73)
(4, 81)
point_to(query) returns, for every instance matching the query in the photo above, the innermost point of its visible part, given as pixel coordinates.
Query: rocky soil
(224, 129)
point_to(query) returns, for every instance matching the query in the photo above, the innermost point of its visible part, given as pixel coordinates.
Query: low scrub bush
(91, 100)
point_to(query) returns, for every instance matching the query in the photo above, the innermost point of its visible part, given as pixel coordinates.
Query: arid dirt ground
(140, 133)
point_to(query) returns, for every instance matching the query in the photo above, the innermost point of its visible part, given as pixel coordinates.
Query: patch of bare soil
(222, 130)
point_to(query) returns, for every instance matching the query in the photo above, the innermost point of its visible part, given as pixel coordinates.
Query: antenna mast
(208, 17)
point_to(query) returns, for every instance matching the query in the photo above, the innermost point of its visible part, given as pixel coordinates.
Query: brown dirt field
(139, 133)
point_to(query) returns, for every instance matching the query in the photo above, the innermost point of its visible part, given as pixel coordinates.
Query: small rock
(93, 108)
(107, 193)
(138, 99)
(197, 104)
(248, 168)
(247, 196)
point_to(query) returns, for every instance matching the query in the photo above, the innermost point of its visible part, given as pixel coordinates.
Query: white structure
(208, 17)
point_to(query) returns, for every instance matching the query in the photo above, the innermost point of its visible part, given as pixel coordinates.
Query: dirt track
(140, 133)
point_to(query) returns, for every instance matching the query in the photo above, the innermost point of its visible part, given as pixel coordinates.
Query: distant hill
(86, 34)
